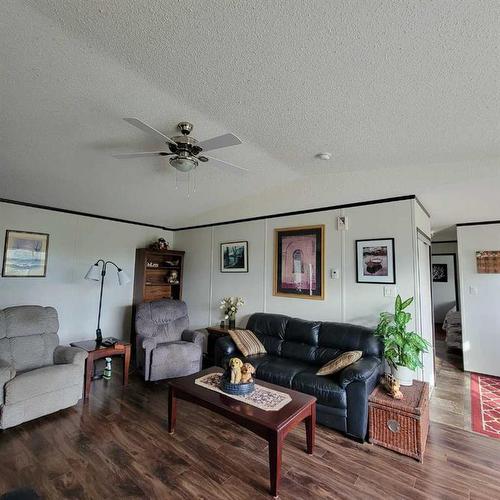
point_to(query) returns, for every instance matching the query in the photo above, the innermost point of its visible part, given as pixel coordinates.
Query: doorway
(450, 403)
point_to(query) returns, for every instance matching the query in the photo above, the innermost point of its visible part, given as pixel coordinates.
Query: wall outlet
(390, 291)
(334, 274)
(342, 223)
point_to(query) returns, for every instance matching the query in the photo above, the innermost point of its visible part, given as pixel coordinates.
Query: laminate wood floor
(450, 402)
(117, 446)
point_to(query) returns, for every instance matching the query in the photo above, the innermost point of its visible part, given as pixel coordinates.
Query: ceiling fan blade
(149, 130)
(220, 163)
(221, 141)
(139, 155)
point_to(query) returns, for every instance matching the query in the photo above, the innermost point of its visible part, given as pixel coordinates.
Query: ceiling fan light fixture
(183, 163)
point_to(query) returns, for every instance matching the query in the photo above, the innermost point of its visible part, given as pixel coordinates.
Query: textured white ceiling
(405, 95)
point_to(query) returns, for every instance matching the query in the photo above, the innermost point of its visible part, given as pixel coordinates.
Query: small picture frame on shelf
(375, 261)
(234, 257)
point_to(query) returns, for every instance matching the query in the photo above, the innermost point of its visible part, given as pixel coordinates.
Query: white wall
(76, 242)
(345, 300)
(480, 300)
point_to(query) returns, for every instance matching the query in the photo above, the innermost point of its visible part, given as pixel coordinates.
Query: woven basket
(236, 389)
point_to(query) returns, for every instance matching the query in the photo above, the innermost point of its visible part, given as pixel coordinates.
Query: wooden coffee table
(273, 426)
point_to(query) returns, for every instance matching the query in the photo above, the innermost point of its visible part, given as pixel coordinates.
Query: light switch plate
(390, 291)
(334, 274)
(473, 290)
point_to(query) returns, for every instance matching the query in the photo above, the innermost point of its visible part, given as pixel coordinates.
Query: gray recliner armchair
(37, 375)
(165, 347)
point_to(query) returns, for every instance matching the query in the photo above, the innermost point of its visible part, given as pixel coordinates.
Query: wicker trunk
(401, 425)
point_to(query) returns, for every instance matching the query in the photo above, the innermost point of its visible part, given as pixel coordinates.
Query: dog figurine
(392, 386)
(235, 365)
(247, 370)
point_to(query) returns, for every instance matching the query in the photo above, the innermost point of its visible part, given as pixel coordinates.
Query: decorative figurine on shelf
(247, 370)
(392, 386)
(235, 365)
(161, 245)
(173, 278)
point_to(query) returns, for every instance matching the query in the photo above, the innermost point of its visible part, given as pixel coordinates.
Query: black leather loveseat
(296, 349)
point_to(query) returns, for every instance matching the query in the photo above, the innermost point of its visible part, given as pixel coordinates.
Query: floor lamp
(97, 272)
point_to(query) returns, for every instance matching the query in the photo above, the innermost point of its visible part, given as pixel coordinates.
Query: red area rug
(485, 404)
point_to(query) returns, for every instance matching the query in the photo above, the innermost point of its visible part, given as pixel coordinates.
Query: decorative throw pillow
(340, 362)
(247, 342)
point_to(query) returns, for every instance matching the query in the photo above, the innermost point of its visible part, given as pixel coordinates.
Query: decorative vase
(403, 375)
(231, 322)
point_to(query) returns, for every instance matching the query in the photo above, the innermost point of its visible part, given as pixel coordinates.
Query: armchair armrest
(359, 371)
(147, 343)
(196, 337)
(64, 355)
(7, 372)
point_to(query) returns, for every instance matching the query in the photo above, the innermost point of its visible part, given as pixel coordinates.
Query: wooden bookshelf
(154, 270)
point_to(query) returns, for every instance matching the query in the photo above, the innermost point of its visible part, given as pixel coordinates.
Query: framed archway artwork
(299, 262)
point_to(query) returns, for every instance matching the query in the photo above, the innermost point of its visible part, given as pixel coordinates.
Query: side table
(214, 333)
(97, 351)
(401, 425)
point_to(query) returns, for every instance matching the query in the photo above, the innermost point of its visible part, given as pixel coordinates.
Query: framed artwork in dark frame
(234, 257)
(375, 261)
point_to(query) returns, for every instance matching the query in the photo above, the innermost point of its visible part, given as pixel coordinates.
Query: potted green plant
(402, 348)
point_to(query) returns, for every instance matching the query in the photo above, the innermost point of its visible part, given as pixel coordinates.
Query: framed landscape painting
(234, 257)
(25, 254)
(375, 261)
(299, 262)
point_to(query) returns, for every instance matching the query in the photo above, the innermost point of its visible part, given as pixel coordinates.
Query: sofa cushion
(42, 381)
(302, 331)
(29, 352)
(255, 361)
(165, 320)
(280, 371)
(21, 321)
(340, 362)
(172, 354)
(247, 342)
(326, 389)
(347, 337)
(269, 329)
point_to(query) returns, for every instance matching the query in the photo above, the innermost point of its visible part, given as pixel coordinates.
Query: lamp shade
(94, 273)
(123, 277)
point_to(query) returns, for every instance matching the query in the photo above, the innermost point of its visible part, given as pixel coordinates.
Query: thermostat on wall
(342, 223)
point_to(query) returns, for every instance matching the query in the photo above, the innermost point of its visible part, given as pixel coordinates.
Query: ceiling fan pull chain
(188, 184)
(194, 181)
(176, 180)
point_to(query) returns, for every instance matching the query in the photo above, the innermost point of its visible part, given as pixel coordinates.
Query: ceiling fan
(184, 149)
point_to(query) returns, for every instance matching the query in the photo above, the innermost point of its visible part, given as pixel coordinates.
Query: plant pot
(403, 374)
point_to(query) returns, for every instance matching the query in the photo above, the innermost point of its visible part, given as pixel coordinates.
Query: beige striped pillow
(340, 362)
(247, 342)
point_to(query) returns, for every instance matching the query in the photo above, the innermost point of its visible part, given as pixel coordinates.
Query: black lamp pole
(98, 333)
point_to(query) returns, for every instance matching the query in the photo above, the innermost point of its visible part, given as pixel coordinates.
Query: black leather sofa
(296, 349)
